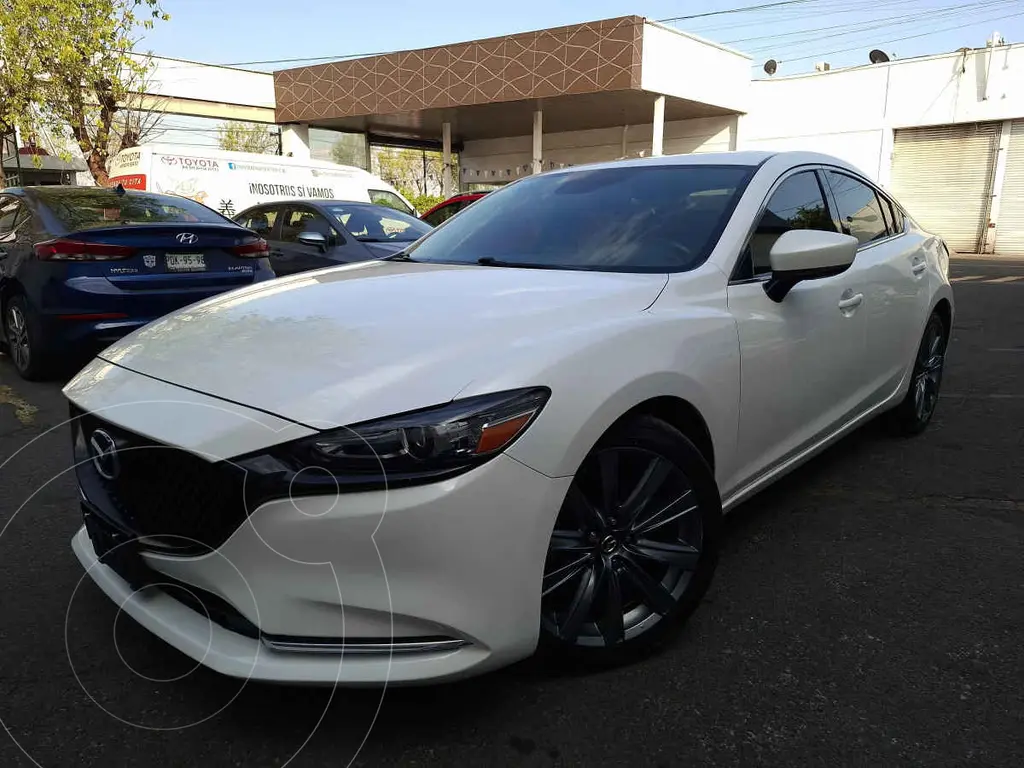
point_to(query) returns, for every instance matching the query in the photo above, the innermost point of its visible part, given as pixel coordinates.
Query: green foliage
(422, 203)
(237, 136)
(67, 65)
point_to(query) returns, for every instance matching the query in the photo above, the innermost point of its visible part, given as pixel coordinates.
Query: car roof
(750, 158)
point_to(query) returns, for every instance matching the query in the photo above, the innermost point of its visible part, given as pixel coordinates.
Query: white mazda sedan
(520, 432)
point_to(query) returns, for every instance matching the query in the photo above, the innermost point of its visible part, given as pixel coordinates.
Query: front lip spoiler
(363, 648)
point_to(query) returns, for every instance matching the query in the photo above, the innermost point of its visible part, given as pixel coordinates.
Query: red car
(445, 210)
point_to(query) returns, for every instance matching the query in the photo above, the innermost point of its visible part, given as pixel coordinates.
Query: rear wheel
(912, 415)
(24, 344)
(634, 546)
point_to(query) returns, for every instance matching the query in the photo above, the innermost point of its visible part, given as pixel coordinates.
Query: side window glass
(443, 214)
(8, 214)
(262, 222)
(898, 222)
(886, 215)
(859, 209)
(299, 220)
(798, 203)
(389, 200)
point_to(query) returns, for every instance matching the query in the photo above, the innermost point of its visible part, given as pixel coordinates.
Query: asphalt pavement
(868, 610)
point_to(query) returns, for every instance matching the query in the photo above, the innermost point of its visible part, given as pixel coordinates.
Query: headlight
(415, 447)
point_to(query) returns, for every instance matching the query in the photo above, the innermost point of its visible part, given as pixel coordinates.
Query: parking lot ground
(868, 610)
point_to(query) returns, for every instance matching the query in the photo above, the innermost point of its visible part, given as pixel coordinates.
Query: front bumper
(460, 560)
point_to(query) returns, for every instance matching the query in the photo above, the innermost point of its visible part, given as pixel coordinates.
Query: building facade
(945, 133)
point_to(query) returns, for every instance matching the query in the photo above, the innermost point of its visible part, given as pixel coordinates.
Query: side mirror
(312, 238)
(807, 254)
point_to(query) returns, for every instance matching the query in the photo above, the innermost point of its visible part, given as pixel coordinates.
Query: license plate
(116, 551)
(186, 262)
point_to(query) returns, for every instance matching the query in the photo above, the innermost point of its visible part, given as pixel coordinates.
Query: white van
(230, 182)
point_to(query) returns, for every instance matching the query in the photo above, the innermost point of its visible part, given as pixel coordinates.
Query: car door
(895, 273)
(801, 358)
(295, 256)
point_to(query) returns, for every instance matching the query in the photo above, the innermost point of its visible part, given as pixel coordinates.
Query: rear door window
(443, 213)
(860, 212)
(261, 221)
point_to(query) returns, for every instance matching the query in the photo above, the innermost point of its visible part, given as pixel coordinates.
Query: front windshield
(377, 224)
(628, 218)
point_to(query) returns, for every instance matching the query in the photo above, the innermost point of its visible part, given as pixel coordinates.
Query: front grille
(169, 498)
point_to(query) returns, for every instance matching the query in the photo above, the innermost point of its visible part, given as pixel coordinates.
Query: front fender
(691, 355)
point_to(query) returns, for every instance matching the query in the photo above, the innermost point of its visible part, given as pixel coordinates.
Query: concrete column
(538, 141)
(295, 141)
(625, 140)
(369, 155)
(658, 138)
(446, 159)
(988, 243)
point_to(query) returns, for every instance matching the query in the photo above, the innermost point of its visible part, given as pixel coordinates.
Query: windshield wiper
(400, 256)
(490, 261)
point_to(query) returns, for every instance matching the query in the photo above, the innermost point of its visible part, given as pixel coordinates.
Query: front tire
(24, 343)
(915, 412)
(634, 546)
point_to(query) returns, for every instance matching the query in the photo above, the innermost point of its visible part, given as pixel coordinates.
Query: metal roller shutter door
(1010, 227)
(943, 177)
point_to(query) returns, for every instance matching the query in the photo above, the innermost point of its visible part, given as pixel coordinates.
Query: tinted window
(389, 200)
(299, 220)
(859, 210)
(797, 203)
(899, 223)
(443, 213)
(370, 224)
(629, 218)
(79, 208)
(8, 213)
(261, 221)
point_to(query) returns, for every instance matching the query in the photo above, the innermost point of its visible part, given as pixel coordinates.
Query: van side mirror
(312, 238)
(807, 254)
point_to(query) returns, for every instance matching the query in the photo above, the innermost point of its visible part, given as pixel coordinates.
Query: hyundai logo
(104, 454)
(187, 238)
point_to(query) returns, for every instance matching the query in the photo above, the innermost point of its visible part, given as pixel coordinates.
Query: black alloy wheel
(914, 413)
(633, 547)
(23, 345)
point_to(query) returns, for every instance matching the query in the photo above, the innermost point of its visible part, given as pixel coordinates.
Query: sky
(796, 33)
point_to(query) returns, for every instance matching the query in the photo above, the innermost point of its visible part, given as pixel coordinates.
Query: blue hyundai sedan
(81, 267)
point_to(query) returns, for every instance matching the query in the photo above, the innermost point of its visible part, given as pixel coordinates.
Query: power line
(906, 37)
(742, 9)
(868, 24)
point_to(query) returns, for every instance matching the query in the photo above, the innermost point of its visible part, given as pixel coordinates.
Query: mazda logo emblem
(104, 454)
(187, 238)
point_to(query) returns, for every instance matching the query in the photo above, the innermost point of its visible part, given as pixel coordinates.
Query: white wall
(852, 113)
(204, 82)
(707, 134)
(678, 64)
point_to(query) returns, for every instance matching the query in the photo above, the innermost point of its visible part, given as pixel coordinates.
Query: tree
(90, 71)
(27, 29)
(237, 136)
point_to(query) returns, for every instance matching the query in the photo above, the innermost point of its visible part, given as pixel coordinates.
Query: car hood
(345, 344)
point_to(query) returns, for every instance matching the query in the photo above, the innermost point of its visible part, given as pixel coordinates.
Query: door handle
(851, 303)
(919, 268)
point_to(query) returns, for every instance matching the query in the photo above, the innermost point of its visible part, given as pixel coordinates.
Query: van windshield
(377, 224)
